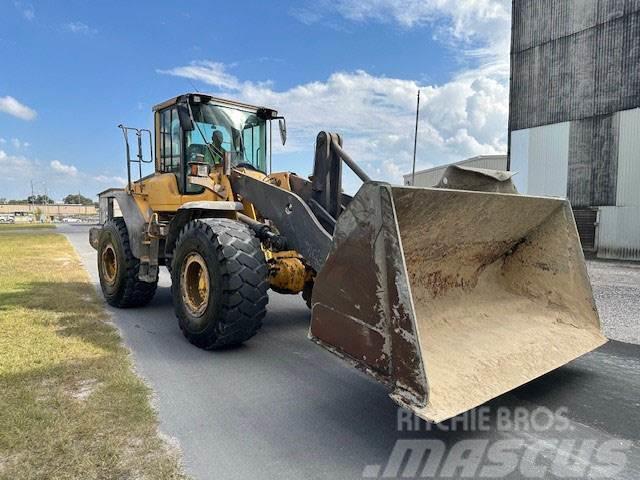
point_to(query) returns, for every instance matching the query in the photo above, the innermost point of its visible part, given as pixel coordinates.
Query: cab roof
(208, 97)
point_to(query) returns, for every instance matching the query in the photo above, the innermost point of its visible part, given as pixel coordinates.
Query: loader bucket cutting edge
(454, 297)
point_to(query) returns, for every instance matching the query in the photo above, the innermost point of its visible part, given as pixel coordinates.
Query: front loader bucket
(454, 297)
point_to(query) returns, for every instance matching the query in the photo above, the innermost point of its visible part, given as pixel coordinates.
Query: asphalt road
(282, 407)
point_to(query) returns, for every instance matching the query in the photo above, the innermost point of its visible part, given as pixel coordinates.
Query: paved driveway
(281, 407)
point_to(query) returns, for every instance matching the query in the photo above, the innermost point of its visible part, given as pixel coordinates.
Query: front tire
(118, 268)
(219, 283)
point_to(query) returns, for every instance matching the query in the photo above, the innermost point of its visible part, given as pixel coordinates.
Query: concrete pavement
(282, 407)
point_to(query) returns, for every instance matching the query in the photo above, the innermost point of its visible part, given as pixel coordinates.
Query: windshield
(226, 129)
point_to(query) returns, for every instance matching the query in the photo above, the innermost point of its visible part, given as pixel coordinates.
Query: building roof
(461, 162)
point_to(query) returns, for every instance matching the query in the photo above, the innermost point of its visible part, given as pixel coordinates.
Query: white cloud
(111, 180)
(212, 73)
(26, 9)
(463, 19)
(16, 165)
(29, 13)
(17, 143)
(55, 177)
(464, 117)
(80, 28)
(13, 107)
(62, 168)
(479, 28)
(306, 15)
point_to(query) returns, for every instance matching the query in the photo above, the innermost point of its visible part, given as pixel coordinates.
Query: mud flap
(452, 297)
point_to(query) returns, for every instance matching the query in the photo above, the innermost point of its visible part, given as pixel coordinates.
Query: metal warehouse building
(431, 176)
(574, 121)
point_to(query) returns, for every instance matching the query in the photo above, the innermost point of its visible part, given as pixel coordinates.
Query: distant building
(431, 176)
(50, 212)
(574, 121)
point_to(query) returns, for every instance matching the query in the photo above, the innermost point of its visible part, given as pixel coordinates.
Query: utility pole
(45, 209)
(415, 143)
(33, 198)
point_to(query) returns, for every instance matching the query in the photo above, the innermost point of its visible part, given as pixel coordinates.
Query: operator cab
(197, 128)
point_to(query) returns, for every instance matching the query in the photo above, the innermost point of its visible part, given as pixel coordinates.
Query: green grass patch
(70, 405)
(20, 226)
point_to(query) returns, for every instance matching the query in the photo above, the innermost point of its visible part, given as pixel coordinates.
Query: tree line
(72, 199)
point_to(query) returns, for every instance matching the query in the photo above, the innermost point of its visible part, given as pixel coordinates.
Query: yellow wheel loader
(450, 296)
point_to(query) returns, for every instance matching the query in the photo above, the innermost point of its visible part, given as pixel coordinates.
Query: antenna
(415, 143)
(193, 85)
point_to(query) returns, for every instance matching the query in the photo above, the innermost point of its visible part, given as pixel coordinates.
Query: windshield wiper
(209, 146)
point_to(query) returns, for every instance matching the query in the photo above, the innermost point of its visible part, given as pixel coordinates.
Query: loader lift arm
(307, 214)
(291, 214)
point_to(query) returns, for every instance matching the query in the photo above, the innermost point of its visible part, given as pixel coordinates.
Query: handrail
(140, 157)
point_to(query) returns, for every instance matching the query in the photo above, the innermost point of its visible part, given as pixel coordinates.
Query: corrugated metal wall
(548, 154)
(562, 18)
(491, 163)
(520, 159)
(578, 61)
(573, 59)
(540, 156)
(593, 160)
(586, 219)
(619, 233)
(427, 179)
(628, 187)
(619, 226)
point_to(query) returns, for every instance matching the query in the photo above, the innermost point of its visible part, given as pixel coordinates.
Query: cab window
(228, 131)
(196, 143)
(170, 141)
(254, 143)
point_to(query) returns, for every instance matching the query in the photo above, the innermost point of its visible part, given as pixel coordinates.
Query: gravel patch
(616, 287)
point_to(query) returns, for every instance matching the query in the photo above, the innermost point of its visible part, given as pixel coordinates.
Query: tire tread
(136, 293)
(244, 302)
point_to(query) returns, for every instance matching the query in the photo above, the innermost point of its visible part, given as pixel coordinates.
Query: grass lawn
(21, 226)
(70, 405)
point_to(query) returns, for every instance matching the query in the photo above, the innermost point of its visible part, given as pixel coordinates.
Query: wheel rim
(195, 284)
(109, 264)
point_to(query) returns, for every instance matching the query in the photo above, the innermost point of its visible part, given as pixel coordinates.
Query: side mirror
(282, 123)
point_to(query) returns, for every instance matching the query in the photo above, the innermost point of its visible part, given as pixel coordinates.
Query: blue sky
(71, 71)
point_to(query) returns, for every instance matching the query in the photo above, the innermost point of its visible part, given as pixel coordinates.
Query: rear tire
(118, 268)
(219, 283)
